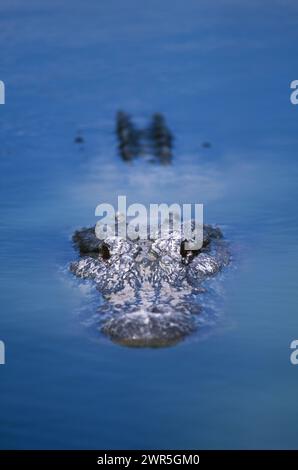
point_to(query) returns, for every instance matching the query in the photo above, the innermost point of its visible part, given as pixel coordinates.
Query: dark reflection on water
(155, 140)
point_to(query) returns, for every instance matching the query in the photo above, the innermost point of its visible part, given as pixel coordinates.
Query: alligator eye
(183, 251)
(186, 253)
(105, 251)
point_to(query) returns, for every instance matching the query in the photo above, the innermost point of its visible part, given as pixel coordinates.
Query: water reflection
(155, 140)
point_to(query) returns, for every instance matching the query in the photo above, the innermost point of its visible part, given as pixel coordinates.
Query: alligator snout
(145, 328)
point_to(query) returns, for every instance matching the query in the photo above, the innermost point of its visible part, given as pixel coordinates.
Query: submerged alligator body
(150, 288)
(155, 140)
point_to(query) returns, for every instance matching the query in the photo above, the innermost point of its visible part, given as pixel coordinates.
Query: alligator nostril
(105, 252)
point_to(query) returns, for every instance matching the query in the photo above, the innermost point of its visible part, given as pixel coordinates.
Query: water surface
(220, 71)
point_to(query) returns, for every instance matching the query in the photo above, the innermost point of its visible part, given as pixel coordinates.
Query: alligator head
(149, 287)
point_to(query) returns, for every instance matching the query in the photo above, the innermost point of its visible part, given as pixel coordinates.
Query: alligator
(155, 140)
(150, 288)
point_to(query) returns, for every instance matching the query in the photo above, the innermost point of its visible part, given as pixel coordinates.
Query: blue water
(220, 71)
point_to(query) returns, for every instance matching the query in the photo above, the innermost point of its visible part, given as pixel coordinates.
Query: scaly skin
(149, 287)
